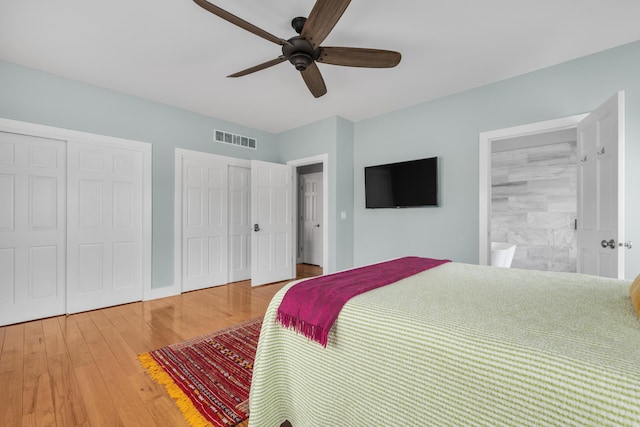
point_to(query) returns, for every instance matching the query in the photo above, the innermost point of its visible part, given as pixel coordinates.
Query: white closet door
(204, 224)
(239, 223)
(105, 226)
(32, 229)
(272, 219)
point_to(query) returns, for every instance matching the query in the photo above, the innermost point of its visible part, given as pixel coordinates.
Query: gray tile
(499, 175)
(533, 203)
(563, 203)
(509, 188)
(550, 186)
(529, 202)
(499, 203)
(527, 236)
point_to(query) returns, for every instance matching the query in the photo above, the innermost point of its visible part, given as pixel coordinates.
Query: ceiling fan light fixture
(301, 60)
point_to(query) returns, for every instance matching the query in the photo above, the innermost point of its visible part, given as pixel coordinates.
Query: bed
(459, 345)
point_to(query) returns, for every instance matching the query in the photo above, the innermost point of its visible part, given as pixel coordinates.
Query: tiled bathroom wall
(533, 204)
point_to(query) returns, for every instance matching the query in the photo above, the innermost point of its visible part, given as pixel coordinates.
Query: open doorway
(312, 212)
(600, 185)
(505, 138)
(534, 200)
(310, 223)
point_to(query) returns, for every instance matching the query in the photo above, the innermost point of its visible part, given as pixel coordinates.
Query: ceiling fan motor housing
(300, 52)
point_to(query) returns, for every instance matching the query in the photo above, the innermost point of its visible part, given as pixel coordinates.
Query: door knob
(627, 245)
(256, 227)
(611, 243)
(317, 225)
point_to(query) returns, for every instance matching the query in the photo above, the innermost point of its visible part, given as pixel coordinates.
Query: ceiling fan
(304, 50)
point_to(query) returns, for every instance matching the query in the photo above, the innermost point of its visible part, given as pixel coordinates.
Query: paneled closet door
(105, 231)
(272, 215)
(32, 227)
(239, 223)
(205, 226)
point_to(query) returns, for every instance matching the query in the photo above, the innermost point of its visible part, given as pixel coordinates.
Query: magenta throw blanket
(312, 307)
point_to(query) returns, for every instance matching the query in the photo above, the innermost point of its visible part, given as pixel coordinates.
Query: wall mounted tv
(402, 185)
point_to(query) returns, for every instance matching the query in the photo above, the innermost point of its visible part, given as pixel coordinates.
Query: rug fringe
(189, 411)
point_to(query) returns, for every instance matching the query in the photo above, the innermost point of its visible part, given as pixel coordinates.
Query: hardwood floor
(81, 370)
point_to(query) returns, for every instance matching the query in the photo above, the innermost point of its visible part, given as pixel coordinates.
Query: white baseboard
(167, 291)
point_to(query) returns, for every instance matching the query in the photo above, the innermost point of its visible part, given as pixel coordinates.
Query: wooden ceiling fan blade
(359, 57)
(259, 67)
(314, 80)
(229, 17)
(323, 17)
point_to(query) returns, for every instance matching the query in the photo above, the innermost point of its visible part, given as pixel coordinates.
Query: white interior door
(239, 223)
(32, 227)
(601, 190)
(204, 224)
(272, 219)
(105, 226)
(312, 218)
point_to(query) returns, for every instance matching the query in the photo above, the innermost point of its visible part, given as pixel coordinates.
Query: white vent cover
(233, 139)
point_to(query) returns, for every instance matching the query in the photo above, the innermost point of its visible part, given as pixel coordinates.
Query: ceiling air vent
(233, 139)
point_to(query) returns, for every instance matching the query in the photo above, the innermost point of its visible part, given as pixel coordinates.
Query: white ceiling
(176, 53)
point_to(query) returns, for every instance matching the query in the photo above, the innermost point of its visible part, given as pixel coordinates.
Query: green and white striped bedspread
(460, 345)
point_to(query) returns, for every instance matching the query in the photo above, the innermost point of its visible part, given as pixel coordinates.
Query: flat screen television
(402, 185)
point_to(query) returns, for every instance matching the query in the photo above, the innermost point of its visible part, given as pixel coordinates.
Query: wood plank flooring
(81, 370)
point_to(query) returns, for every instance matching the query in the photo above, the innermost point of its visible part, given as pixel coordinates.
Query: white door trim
(324, 159)
(484, 181)
(44, 131)
(180, 155)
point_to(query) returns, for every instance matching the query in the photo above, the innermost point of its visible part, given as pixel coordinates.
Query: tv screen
(402, 185)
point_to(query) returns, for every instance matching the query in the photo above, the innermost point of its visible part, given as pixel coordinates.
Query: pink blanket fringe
(312, 307)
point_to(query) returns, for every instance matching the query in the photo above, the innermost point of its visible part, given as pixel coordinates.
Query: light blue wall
(334, 137)
(449, 128)
(33, 96)
(344, 195)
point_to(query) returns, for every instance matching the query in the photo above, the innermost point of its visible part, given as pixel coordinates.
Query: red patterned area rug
(209, 376)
